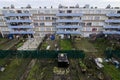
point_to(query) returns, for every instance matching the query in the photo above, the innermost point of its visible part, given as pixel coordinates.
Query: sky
(55, 3)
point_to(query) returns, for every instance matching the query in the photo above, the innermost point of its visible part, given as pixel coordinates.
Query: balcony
(16, 14)
(111, 32)
(113, 15)
(22, 32)
(69, 14)
(22, 26)
(67, 32)
(17, 20)
(112, 21)
(112, 26)
(68, 26)
(68, 20)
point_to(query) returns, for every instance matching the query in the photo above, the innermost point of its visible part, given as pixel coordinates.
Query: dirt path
(9, 44)
(30, 66)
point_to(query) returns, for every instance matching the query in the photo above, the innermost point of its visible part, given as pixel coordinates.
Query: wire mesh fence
(40, 53)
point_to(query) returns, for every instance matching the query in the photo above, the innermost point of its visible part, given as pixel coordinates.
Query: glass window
(88, 24)
(11, 11)
(94, 29)
(33, 11)
(48, 29)
(97, 18)
(47, 11)
(35, 24)
(54, 18)
(42, 29)
(47, 18)
(41, 17)
(54, 24)
(26, 11)
(42, 24)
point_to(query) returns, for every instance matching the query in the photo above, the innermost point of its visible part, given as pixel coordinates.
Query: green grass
(85, 45)
(20, 44)
(65, 44)
(44, 46)
(112, 71)
(101, 44)
(14, 70)
(2, 40)
(42, 70)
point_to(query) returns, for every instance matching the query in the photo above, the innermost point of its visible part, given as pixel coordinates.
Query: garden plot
(85, 45)
(2, 41)
(109, 69)
(49, 43)
(9, 44)
(48, 67)
(14, 69)
(42, 70)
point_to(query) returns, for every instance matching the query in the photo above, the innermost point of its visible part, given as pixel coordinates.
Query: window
(41, 17)
(94, 29)
(33, 11)
(19, 11)
(26, 11)
(54, 18)
(61, 11)
(11, 11)
(97, 18)
(42, 29)
(82, 24)
(88, 24)
(69, 11)
(48, 23)
(42, 24)
(35, 24)
(47, 11)
(48, 29)
(98, 11)
(118, 11)
(47, 18)
(54, 24)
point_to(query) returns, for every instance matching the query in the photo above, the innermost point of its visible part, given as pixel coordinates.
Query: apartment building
(64, 20)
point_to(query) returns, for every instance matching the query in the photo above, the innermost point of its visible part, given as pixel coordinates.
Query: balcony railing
(113, 15)
(112, 26)
(68, 26)
(26, 20)
(111, 32)
(68, 20)
(112, 21)
(69, 14)
(22, 32)
(21, 26)
(67, 32)
(16, 14)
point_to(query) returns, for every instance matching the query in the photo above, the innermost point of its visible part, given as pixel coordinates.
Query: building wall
(44, 20)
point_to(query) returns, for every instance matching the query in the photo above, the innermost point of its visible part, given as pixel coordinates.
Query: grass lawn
(84, 45)
(9, 44)
(2, 40)
(65, 44)
(112, 71)
(14, 70)
(20, 44)
(42, 70)
(101, 44)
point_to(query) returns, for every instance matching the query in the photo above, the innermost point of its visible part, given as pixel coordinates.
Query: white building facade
(75, 20)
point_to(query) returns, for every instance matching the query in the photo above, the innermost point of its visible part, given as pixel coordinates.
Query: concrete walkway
(31, 44)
